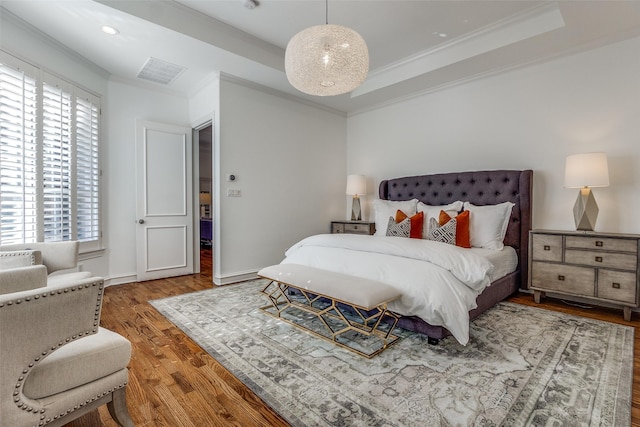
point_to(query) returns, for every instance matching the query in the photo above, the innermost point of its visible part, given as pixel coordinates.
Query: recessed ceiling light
(439, 34)
(112, 31)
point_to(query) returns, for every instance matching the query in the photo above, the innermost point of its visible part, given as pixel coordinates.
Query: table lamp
(356, 186)
(585, 171)
(205, 200)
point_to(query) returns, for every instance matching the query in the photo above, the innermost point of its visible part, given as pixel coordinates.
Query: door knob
(141, 221)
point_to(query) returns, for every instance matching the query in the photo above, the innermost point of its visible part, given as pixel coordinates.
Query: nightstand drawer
(547, 247)
(602, 243)
(356, 228)
(617, 285)
(563, 278)
(337, 228)
(601, 259)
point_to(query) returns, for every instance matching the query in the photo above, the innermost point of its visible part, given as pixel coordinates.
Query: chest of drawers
(595, 266)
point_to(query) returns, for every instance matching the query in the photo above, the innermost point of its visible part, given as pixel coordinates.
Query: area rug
(523, 366)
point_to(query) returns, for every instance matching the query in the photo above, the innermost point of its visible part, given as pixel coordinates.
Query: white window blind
(56, 159)
(49, 157)
(18, 152)
(87, 166)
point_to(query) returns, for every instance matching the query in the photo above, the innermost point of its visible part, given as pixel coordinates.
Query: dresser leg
(537, 295)
(627, 313)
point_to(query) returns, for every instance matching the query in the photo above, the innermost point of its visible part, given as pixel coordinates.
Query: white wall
(290, 163)
(530, 118)
(126, 104)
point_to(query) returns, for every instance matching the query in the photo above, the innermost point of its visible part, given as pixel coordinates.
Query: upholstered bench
(344, 309)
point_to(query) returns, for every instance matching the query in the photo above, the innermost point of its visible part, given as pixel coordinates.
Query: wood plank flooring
(174, 383)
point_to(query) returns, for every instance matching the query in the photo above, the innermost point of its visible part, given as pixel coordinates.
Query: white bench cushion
(357, 291)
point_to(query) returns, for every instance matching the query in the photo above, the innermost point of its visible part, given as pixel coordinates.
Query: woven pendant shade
(326, 60)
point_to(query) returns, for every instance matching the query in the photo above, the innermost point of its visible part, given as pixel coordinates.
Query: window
(49, 157)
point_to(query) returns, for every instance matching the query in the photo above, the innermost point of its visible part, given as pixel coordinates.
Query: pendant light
(326, 60)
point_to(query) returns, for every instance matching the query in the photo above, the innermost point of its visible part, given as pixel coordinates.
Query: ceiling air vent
(159, 71)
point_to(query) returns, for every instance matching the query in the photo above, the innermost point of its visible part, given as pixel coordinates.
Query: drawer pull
(598, 259)
(615, 285)
(547, 247)
(561, 277)
(599, 243)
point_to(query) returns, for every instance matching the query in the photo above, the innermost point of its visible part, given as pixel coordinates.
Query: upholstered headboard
(478, 188)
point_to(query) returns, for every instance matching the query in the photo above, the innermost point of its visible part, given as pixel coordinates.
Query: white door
(164, 207)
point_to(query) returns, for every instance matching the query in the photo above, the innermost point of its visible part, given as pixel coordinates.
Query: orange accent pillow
(417, 222)
(463, 236)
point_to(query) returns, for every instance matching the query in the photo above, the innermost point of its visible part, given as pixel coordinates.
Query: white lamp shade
(326, 60)
(356, 185)
(205, 198)
(586, 170)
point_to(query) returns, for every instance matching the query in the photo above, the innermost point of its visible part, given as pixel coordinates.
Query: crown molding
(252, 85)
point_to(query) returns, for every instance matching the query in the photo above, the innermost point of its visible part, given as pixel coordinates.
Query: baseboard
(120, 280)
(228, 279)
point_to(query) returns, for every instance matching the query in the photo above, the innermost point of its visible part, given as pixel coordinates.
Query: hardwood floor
(173, 382)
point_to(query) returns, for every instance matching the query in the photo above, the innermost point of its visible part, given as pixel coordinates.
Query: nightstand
(595, 266)
(353, 227)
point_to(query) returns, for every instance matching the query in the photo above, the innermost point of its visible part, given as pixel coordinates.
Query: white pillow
(488, 224)
(383, 209)
(434, 212)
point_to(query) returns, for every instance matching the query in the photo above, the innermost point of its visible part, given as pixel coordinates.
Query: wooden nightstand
(595, 266)
(353, 227)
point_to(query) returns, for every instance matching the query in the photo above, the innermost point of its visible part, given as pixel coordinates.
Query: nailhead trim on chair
(20, 253)
(44, 421)
(31, 365)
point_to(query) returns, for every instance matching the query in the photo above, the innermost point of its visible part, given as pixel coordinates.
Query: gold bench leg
(280, 302)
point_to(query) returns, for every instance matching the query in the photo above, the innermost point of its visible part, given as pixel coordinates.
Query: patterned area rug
(523, 366)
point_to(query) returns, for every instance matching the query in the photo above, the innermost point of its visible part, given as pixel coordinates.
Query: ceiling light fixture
(108, 29)
(326, 60)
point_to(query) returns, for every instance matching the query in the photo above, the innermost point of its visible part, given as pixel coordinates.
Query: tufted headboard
(478, 188)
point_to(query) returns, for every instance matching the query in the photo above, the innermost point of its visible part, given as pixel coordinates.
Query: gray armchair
(60, 259)
(56, 362)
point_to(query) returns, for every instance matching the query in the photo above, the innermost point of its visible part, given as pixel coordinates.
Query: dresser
(601, 267)
(353, 227)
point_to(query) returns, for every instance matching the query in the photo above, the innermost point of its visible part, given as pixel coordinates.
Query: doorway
(204, 136)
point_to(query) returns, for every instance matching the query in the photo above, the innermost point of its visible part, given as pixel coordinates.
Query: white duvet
(439, 282)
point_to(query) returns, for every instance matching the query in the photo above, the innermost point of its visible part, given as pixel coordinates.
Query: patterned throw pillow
(463, 238)
(443, 233)
(398, 229)
(416, 221)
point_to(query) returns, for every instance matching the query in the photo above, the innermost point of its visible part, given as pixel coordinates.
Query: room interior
(475, 86)
(589, 115)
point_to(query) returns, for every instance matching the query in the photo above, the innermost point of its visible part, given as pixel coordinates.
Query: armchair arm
(23, 279)
(15, 259)
(55, 255)
(33, 324)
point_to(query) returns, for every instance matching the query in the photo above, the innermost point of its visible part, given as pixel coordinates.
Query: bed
(384, 258)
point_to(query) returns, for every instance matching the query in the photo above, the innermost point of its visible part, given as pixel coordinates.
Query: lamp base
(585, 210)
(356, 213)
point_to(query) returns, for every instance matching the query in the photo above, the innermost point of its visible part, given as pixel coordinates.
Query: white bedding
(439, 282)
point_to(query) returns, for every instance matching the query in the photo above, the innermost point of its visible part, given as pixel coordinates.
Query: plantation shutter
(87, 166)
(56, 159)
(18, 151)
(49, 158)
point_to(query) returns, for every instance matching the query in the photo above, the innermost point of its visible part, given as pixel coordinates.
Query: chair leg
(118, 408)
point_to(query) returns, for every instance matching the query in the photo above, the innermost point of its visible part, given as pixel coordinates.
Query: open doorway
(205, 150)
